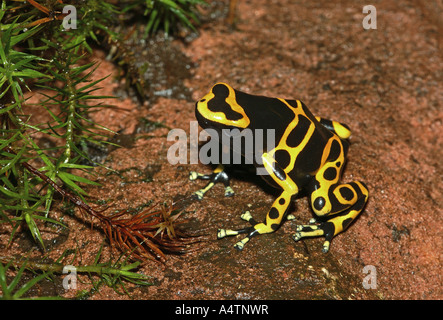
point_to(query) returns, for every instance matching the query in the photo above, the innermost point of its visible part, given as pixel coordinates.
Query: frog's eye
(203, 100)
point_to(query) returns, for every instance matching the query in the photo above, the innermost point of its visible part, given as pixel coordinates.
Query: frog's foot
(314, 230)
(217, 176)
(221, 233)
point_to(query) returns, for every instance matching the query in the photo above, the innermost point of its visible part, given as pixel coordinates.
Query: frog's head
(219, 109)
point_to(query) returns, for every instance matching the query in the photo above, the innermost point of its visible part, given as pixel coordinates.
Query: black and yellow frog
(308, 155)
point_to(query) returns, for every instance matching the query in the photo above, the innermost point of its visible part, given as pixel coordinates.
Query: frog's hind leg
(217, 176)
(352, 196)
(341, 129)
(275, 215)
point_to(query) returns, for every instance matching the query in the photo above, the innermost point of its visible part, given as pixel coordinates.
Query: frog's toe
(297, 236)
(246, 216)
(229, 192)
(221, 233)
(326, 246)
(193, 175)
(241, 244)
(312, 221)
(198, 194)
(307, 230)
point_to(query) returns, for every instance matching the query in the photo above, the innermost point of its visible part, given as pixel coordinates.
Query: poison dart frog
(308, 156)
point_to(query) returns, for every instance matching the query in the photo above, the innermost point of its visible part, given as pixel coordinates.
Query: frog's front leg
(275, 215)
(271, 223)
(217, 176)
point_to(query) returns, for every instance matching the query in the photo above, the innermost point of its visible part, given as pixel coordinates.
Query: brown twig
(146, 235)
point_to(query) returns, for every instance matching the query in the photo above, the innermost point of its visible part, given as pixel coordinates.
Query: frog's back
(300, 140)
(265, 113)
(278, 114)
